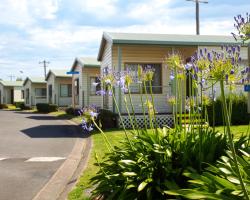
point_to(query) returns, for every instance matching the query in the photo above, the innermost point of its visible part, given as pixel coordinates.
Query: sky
(60, 30)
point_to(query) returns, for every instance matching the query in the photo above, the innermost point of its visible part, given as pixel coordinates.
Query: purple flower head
(101, 92)
(188, 66)
(209, 57)
(172, 75)
(201, 53)
(233, 49)
(247, 69)
(80, 112)
(238, 48)
(232, 71)
(93, 114)
(87, 128)
(226, 76)
(233, 60)
(110, 93)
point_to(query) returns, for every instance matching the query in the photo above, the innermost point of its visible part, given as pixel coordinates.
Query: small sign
(72, 72)
(247, 88)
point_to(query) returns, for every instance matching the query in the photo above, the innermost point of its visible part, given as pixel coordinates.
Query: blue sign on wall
(72, 72)
(247, 88)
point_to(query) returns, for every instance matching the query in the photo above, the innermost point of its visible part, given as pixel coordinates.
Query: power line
(44, 62)
(197, 5)
(11, 77)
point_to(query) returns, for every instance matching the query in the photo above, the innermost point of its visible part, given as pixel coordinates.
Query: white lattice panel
(161, 120)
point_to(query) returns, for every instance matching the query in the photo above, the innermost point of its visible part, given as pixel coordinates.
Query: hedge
(3, 106)
(240, 115)
(46, 108)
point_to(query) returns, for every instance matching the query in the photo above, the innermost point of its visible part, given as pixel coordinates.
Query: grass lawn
(78, 193)
(114, 136)
(236, 130)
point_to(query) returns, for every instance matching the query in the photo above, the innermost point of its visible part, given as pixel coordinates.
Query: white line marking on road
(2, 159)
(45, 159)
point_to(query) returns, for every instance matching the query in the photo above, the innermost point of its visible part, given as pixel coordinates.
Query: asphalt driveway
(32, 148)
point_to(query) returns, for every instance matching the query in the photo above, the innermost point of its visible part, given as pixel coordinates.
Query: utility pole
(197, 6)
(44, 62)
(11, 77)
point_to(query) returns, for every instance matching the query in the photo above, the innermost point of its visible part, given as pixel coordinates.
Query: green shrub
(107, 119)
(46, 108)
(155, 163)
(3, 106)
(72, 111)
(219, 181)
(53, 108)
(20, 104)
(239, 111)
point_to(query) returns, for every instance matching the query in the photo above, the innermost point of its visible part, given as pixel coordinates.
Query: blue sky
(60, 30)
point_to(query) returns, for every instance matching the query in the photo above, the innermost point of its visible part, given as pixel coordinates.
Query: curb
(66, 176)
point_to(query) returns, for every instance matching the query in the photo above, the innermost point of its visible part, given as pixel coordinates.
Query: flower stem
(109, 147)
(120, 116)
(228, 131)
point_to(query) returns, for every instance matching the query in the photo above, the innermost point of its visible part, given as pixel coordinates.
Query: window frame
(90, 91)
(41, 97)
(146, 63)
(69, 88)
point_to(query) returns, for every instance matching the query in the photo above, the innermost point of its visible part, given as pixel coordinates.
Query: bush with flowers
(190, 161)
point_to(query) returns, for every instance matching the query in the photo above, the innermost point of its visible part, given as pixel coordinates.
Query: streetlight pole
(197, 8)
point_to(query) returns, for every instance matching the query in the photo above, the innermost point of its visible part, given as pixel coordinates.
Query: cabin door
(12, 96)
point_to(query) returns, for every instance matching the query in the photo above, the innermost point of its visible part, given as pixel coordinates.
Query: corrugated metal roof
(165, 39)
(59, 73)
(173, 39)
(12, 83)
(35, 80)
(86, 62)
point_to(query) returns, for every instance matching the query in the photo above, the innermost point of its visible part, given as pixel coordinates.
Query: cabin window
(157, 78)
(27, 97)
(95, 85)
(66, 90)
(22, 94)
(40, 92)
(76, 82)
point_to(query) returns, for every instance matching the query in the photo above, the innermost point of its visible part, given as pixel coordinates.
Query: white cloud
(99, 8)
(23, 13)
(43, 9)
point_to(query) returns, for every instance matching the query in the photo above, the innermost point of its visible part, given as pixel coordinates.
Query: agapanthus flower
(87, 128)
(219, 65)
(171, 100)
(89, 114)
(206, 101)
(174, 62)
(242, 24)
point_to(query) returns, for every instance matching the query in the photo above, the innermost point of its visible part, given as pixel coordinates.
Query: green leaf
(127, 162)
(194, 194)
(233, 179)
(224, 170)
(142, 186)
(129, 174)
